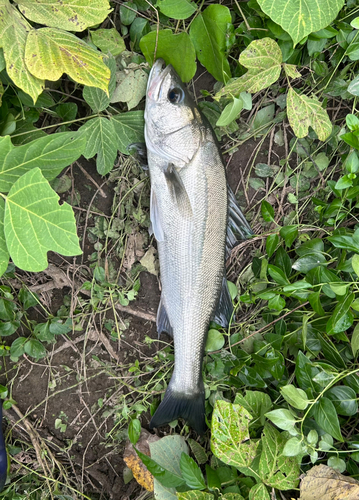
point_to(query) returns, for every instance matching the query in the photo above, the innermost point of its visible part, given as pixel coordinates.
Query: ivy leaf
(14, 30)
(326, 417)
(306, 111)
(215, 341)
(263, 59)
(301, 17)
(35, 223)
(76, 15)
(51, 154)
(191, 473)
(230, 440)
(295, 397)
(275, 469)
(177, 9)
(338, 322)
(108, 40)
(129, 128)
(175, 49)
(50, 52)
(208, 34)
(101, 140)
(4, 254)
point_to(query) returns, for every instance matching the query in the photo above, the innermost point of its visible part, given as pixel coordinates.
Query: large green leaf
(208, 33)
(230, 435)
(51, 154)
(13, 33)
(263, 59)
(301, 17)
(101, 139)
(50, 52)
(129, 128)
(326, 417)
(306, 111)
(275, 469)
(176, 49)
(177, 9)
(72, 15)
(35, 223)
(4, 254)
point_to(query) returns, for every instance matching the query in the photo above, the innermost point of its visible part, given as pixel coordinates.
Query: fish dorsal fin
(238, 228)
(224, 310)
(155, 217)
(162, 320)
(178, 191)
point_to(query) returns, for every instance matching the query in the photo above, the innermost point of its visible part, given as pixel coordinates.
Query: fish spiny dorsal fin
(238, 228)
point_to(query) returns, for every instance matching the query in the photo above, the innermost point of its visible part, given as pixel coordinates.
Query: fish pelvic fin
(176, 404)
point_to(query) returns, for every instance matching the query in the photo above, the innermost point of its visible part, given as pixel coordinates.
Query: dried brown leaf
(322, 482)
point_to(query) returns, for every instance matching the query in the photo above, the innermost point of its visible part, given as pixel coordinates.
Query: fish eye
(175, 95)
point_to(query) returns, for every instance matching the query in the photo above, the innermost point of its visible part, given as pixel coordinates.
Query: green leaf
(215, 341)
(340, 321)
(344, 399)
(355, 264)
(326, 417)
(177, 50)
(230, 435)
(129, 128)
(301, 17)
(28, 299)
(101, 139)
(289, 234)
(131, 86)
(346, 242)
(271, 244)
(283, 419)
(198, 451)
(343, 183)
(177, 9)
(305, 371)
(97, 98)
(267, 211)
(163, 475)
(275, 469)
(277, 302)
(51, 154)
(17, 348)
(196, 495)
(51, 52)
(134, 430)
(277, 274)
(76, 15)
(314, 301)
(256, 403)
(292, 447)
(108, 40)
(35, 349)
(35, 223)
(354, 340)
(306, 111)
(282, 261)
(208, 34)
(263, 59)
(295, 397)
(337, 464)
(167, 453)
(14, 31)
(128, 13)
(191, 473)
(230, 112)
(259, 492)
(308, 262)
(4, 254)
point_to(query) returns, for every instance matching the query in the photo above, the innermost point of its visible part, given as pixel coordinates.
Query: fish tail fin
(178, 404)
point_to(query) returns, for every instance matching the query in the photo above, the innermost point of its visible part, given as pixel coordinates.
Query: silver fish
(190, 210)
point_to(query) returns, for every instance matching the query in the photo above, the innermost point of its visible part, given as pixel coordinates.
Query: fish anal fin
(155, 217)
(178, 191)
(224, 311)
(175, 405)
(163, 322)
(238, 228)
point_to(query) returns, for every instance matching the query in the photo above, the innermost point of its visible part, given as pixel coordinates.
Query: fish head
(173, 125)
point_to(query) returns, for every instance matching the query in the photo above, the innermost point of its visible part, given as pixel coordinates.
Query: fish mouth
(158, 73)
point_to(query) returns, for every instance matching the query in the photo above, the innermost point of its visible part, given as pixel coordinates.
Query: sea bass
(190, 209)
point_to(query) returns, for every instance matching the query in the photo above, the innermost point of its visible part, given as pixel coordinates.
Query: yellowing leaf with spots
(301, 17)
(263, 59)
(14, 30)
(306, 111)
(71, 15)
(35, 223)
(50, 52)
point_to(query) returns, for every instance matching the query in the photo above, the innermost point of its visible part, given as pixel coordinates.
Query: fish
(196, 222)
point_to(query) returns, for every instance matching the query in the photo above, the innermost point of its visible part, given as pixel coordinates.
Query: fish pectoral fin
(155, 216)
(162, 321)
(224, 310)
(238, 228)
(178, 191)
(139, 151)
